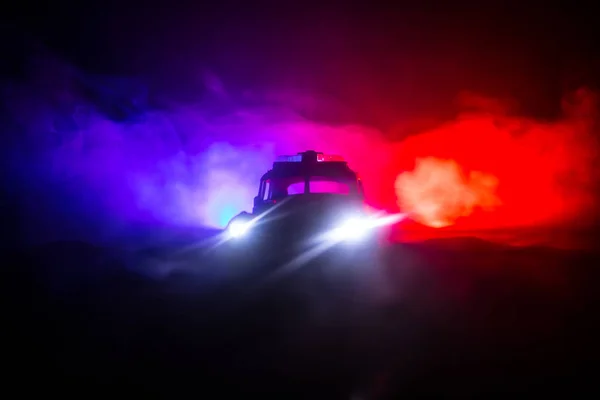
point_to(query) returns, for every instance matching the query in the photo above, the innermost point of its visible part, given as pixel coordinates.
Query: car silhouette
(305, 202)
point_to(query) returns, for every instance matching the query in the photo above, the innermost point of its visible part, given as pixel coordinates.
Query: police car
(306, 200)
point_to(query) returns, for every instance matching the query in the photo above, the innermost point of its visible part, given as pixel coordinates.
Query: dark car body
(300, 201)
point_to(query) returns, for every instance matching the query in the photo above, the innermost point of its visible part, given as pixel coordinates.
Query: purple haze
(94, 156)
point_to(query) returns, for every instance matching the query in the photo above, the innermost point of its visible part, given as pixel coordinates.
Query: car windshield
(298, 185)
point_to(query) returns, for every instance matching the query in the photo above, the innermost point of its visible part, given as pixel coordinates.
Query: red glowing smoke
(436, 193)
(489, 170)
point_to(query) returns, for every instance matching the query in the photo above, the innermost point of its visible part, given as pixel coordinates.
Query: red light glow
(486, 172)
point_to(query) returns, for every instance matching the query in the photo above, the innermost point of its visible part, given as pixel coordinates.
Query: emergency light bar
(297, 158)
(309, 156)
(329, 158)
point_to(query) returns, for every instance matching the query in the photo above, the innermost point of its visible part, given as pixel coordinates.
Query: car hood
(309, 211)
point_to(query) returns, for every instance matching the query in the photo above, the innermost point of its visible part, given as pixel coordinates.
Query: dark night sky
(392, 62)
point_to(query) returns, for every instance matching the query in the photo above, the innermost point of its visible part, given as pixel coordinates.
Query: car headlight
(352, 229)
(237, 229)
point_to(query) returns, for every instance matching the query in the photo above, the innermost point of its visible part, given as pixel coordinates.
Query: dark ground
(459, 317)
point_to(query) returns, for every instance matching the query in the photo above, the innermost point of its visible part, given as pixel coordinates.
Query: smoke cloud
(92, 156)
(490, 170)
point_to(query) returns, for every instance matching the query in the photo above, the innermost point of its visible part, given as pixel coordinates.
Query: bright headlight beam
(239, 228)
(351, 229)
(358, 227)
